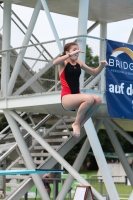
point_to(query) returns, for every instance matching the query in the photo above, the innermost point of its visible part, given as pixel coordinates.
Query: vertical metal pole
(22, 51)
(98, 152)
(119, 152)
(64, 41)
(59, 158)
(26, 155)
(103, 34)
(45, 6)
(6, 45)
(54, 189)
(103, 30)
(77, 164)
(82, 30)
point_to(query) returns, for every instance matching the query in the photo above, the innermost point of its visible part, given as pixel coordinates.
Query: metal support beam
(98, 152)
(33, 79)
(130, 39)
(23, 50)
(6, 45)
(92, 27)
(77, 164)
(59, 158)
(82, 30)
(103, 34)
(45, 6)
(120, 130)
(26, 155)
(103, 30)
(119, 151)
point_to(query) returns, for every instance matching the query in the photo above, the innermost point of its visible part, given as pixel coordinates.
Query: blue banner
(119, 79)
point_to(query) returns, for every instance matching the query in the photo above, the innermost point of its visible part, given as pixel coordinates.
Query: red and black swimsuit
(69, 79)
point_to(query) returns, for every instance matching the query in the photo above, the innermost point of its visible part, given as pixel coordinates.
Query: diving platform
(50, 103)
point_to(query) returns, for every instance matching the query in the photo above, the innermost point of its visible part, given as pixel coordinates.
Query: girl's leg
(92, 110)
(82, 102)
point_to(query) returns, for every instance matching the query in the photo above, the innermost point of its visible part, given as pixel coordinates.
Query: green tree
(91, 61)
(3, 123)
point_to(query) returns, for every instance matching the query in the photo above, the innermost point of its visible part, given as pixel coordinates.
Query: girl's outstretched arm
(61, 59)
(95, 71)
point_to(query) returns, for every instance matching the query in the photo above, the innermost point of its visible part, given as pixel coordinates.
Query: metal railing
(22, 28)
(38, 55)
(123, 189)
(44, 71)
(26, 136)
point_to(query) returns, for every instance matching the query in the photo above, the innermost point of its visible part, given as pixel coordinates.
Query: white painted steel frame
(22, 51)
(59, 158)
(119, 151)
(100, 158)
(38, 100)
(6, 128)
(5, 70)
(91, 132)
(103, 34)
(82, 30)
(77, 164)
(93, 27)
(33, 79)
(26, 155)
(45, 6)
(120, 130)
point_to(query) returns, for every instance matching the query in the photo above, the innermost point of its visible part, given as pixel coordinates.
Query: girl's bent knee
(90, 100)
(98, 100)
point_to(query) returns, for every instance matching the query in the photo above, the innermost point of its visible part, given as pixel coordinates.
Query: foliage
(3, 123)
(106, 146)
(91, 61)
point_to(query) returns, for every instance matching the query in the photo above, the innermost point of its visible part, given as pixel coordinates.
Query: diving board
(31, 171)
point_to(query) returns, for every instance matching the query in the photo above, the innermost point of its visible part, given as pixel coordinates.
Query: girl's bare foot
(76, 129)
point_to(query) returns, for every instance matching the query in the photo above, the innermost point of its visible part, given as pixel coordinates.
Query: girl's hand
(78, 51)
(104, 63)
(73, 53)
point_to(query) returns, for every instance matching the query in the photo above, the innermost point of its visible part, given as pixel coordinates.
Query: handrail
(47, 42)
(51, 41)
(25, 137)
(24, 33)
(6, 128)
(9, 127)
